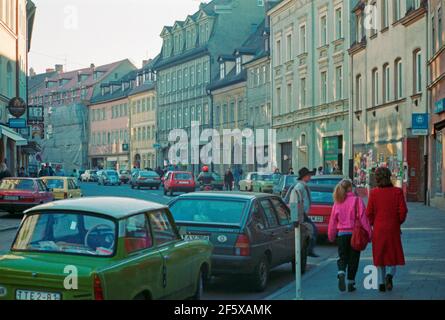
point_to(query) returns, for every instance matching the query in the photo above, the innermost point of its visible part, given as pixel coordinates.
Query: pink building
(110, 124)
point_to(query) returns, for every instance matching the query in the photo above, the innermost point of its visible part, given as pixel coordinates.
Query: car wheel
(261, 275)
(199, 287)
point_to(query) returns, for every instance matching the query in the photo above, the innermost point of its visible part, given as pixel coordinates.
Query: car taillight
(242, 246)
(98, 292)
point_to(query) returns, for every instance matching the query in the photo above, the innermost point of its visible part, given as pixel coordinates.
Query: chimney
(48, 70)
(92, 66)
(59, 68)
(32, 72)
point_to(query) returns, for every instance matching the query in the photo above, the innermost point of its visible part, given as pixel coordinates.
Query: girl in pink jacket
(346, 206)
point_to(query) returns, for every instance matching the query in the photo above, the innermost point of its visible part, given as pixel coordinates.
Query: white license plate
(11, 198)
(192, 237)
(36, 295)
(316, 218)
(183, 182)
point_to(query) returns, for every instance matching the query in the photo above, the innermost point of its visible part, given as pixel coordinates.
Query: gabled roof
(166, 31)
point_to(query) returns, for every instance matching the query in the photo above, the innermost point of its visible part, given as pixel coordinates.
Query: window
(386, 83)
(358, 93)
(440, 35)
(339, 83)
(303, 38)
(323, 31)
(278, 51)
(282, 212)
(289, 47)
(225, 113)
(397, 10)
(232, 112)
(269, 213)
(417, 71)
(398, 84)
(9, 80)
(339, 23)
(137, 236)
(375, 87)
(289, 97)
(385, 22)
(303, 93)
(162, 229)
(359, 28)
(218, 115)
(279, 106)
(238, 65)
(323, 87)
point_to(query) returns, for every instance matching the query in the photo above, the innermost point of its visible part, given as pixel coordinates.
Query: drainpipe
(428, 96)
(351, 111)
(313, 79)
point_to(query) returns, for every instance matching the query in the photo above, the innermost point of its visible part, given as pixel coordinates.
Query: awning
(11, 134)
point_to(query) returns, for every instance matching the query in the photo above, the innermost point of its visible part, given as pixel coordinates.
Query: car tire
(260, 278)
(199, 286)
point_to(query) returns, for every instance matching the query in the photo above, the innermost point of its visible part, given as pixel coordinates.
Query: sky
(76, 33)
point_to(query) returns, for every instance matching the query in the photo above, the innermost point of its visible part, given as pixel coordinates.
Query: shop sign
(17, 107)
(35, 114)
(17, 123)
(125, 147)
(330, 148)
(420, 124)
(440, 106)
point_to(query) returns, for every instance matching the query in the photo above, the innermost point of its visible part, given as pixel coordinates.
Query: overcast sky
(76, 33)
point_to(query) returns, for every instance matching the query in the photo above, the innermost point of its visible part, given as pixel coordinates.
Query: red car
(321, 208)
(179, 181)
(19, 194)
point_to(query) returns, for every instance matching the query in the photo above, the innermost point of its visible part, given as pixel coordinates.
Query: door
(177, 273)
(284, 220)
(73, 190)
(414, 155)
(286, 156)
(275, 232)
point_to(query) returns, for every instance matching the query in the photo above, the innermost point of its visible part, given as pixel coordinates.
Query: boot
(341, 282)
(388, 282)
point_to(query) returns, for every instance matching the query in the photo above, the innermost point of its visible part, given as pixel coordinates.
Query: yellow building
(142, 101)
(16, 21)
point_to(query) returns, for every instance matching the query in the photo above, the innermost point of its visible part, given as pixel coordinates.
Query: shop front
(333, 155)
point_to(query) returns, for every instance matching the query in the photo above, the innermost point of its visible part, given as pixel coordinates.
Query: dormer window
(238, 65)
(222, 70)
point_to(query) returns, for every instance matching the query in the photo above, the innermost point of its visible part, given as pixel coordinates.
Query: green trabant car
(265, 182)
(103, 248)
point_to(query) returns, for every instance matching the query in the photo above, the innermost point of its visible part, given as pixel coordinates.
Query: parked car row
(19, 194)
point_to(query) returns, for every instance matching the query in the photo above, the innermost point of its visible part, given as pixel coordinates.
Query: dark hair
(383, 177)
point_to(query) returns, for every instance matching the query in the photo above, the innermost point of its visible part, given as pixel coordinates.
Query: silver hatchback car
(108, 177)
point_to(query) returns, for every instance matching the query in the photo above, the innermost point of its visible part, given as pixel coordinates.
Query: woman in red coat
(386, 212)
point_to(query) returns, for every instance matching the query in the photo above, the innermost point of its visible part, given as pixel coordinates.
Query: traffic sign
(420, 124)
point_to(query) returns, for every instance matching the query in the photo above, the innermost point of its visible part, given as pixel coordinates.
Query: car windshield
(55, 183)
(124, 172)
(70, 233)
(265, 177)
(16, 184)
(183, 176)
(212, 211)
(322, 197)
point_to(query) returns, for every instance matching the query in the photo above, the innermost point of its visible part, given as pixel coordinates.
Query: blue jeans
(383, 272)
(314, 234)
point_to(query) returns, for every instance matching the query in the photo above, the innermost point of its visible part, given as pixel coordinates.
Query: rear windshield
(183, 176)
(17, 185)
(112, 173)
(148, 174)
(73, 233)
(331, 182)
(211, 211)
(55, 184)
(322, 197)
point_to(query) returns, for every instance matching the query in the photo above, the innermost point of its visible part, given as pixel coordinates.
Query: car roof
(225, 194)
(113, 207)
(22, 178)
(328, 177)
(321, 187)
(56, 178)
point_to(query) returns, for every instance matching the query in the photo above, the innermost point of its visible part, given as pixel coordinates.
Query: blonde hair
(341, 190)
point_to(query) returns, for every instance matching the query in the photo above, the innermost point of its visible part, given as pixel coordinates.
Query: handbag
(360, 237)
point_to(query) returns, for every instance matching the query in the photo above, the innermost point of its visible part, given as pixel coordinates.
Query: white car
(89, 176)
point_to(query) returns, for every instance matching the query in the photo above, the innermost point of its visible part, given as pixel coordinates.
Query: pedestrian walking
(347, 209)
(228, 180)
(304, 176)
(4, 171)
(236, 177)
(291, 172)
(386, 211)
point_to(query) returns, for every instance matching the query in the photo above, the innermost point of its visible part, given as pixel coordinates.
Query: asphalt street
(220, 288)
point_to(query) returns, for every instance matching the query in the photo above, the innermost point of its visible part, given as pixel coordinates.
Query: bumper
(183, 189)
(148, 184)
(222, 265)
(16, 207)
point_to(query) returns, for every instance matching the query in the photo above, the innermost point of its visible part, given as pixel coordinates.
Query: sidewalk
(7, 222)
(423, 276)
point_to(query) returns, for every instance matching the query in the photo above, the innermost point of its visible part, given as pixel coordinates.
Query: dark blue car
(251, 233)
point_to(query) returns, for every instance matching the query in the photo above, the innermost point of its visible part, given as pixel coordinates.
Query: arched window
(375, 87)
(417, 76)
(386, 83)
(398, 79)
(303, 141)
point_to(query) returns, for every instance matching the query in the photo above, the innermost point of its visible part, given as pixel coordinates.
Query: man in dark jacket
(228, 180)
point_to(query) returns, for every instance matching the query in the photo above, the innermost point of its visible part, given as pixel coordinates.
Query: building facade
(388, 88)
(436, 86)
(16, 25)
(65, 97)
(189, 62)
(309, 42)
(241, 95)
(142, 100)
